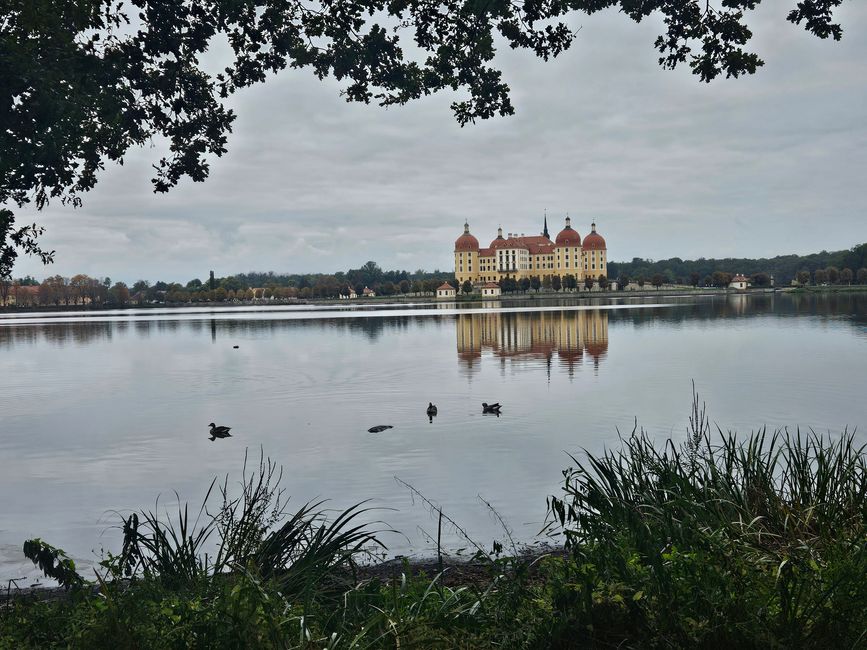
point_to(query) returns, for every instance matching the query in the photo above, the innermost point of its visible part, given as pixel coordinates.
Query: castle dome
(568, 236)
(499, 242)
(466, 242)
(594, 241)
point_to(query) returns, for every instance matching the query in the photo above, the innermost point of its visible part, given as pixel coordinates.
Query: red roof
(491, 285)
(594, 241)
(568, 237)
(486, 252)
(499, 242)
(466, 242)
(536, 244)
(739, 278)
(444, 286)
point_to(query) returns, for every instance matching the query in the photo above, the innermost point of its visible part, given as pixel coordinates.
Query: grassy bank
(720, 541)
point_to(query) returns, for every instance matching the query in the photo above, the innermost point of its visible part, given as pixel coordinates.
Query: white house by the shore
(445, 290)
(491, 290)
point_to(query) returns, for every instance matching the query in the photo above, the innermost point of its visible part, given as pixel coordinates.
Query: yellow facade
(572, 337)
(520, 256)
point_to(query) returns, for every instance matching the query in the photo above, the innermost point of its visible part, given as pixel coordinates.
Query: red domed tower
(568, 236)
(595, 254)
(466, 257)
(568, 252)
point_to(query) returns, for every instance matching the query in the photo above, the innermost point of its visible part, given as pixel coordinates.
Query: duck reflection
(565, 336)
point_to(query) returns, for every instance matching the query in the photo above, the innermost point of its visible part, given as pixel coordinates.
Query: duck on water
(219, 432)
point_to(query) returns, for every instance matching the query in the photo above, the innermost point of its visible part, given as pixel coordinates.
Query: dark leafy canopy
(84, 81)
(22, 238)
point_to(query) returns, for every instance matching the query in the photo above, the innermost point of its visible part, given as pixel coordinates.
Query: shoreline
(576, 296)
(456, 571)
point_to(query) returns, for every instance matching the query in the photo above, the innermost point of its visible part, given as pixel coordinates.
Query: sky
(768, 164)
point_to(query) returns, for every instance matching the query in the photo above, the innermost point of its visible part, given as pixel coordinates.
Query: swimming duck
(219, 432)
(431, 409)
(491, 408)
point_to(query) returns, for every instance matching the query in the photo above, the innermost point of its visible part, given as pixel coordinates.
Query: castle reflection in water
(567, 338)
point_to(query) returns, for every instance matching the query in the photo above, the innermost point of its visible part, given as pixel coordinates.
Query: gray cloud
(763, 165)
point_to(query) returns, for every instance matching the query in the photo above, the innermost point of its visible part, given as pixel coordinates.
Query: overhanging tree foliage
(82, 82)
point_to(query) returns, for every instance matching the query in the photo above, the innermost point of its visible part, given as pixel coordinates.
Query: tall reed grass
(252, 531)
(745, 538)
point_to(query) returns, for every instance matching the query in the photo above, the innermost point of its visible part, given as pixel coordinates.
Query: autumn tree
(846, 276)
(641, 282)
(603, 282)
(761, 279)
(803, 277)
(833, 274)
(721, 279)
(657, 280)
(5, 287)
(86, 81)
(861, 276)
(622, 281)
(694, 278)
(820, 277)
(431, 284)
(119, 294)
(78, 288)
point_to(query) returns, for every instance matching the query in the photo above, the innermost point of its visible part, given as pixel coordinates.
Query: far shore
(578, 296)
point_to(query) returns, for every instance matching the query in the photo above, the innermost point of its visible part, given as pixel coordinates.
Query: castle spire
(545, 229)
(466, 227)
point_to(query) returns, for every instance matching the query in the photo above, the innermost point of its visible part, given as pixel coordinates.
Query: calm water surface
(101, 413)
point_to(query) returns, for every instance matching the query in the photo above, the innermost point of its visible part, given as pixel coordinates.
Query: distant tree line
(836, 268)
(712, 272)
(84, 290)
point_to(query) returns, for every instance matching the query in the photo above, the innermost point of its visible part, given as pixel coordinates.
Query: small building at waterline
(445, 290)
(739, 282)
(491, 290)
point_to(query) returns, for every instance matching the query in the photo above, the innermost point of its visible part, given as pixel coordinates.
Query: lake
(102, 412)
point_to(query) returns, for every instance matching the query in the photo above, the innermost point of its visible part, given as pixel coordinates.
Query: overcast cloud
(769, 164)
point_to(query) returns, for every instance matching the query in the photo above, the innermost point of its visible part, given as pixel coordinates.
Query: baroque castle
(519, 256)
